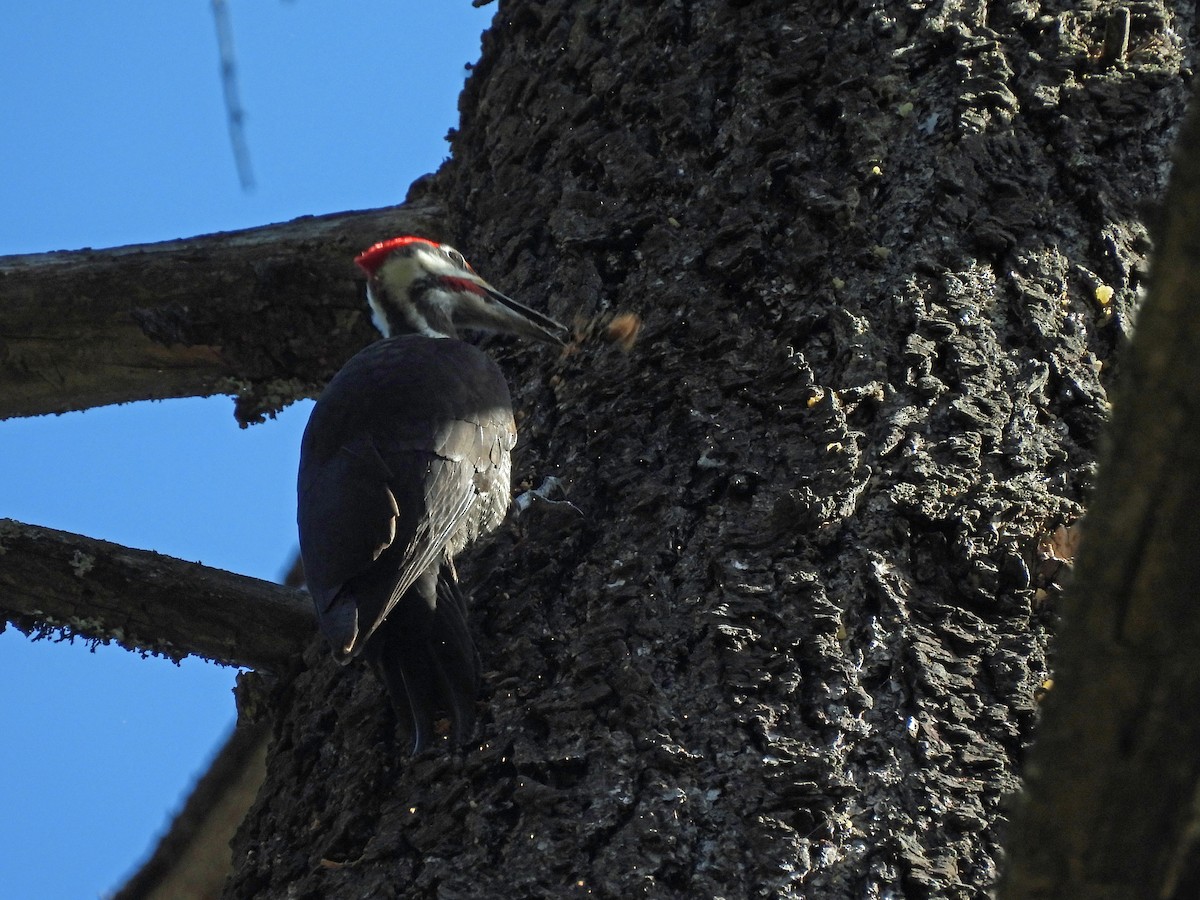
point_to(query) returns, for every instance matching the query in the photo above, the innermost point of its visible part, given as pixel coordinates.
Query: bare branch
(229, 86)
(51, 580)
(266, 313)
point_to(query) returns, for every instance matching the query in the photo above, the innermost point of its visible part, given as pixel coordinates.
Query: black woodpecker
(406, 461)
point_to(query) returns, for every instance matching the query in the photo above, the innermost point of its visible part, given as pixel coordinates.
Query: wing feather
(397, 475)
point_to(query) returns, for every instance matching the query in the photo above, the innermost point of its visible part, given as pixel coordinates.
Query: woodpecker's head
(415, 285)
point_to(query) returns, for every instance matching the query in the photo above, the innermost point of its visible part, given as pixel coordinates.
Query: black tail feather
(457, 653)
(425, 657)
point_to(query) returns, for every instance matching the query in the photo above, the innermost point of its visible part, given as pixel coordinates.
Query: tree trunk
(1123, 819)
(884, 255)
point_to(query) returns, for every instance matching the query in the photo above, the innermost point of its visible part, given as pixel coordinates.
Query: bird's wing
(347, 516)
(399, 450)
(456, 477)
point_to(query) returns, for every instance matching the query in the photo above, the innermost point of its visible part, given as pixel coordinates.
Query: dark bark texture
(793, 647)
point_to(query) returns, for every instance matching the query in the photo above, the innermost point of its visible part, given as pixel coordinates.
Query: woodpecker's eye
(457, 258)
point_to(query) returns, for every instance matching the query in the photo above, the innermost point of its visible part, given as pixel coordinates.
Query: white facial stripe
(443, 302)
(412, 315)
(378, 317)
(395, 280)
(422, 325)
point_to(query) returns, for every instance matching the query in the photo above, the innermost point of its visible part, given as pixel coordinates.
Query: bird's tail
(424, 654)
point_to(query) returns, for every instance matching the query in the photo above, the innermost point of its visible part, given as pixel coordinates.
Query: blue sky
(114, 132)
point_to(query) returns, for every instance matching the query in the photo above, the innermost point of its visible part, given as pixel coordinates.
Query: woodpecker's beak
(485, 307)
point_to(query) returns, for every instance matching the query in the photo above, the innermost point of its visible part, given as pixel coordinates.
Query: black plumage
(404, 462)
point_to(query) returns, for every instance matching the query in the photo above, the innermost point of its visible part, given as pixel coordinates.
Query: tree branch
(192, 858)
(265, 313)
(51, 580)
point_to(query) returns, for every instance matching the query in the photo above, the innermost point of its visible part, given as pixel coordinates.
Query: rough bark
(266, 314)
(794, 647)
(1122, 820)
(56, 582)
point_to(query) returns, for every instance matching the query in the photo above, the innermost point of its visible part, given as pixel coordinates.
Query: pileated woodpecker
(405, 461)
